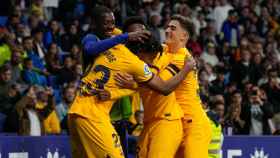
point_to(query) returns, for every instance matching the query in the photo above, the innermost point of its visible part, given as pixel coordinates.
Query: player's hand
(103, 95)
(139, 36)
(190, 63)
(125, 80)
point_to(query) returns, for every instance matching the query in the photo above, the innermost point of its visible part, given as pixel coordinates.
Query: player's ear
(185, 36)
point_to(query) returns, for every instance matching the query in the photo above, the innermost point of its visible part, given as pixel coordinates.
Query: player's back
(101, 76)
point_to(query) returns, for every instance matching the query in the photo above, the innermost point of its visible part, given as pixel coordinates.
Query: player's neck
(174, 48)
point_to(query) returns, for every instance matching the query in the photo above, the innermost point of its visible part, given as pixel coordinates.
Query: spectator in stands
(9, 99)
(30, 76)
(37, 9)
(76, 54)
(37, 34)
(265, 22)
(256, 113)
(276, 122)
(155, 20)
(236, 99)
(35, 22)
(21, 32)
(5, 78)
(218, 85)
(68, 95)
(230, 29)
(242, 70)
(27, 120)
(5, 52)
(229, 91)
(67, 73)
(70, 38)
(16, 65)
(220, 13)
(204, 82)
(52, 59)
(209, 56)
(218, 108)
(209, 33)
(29, 48)
(257, 70)
(78, 72)
(53, 34)
(272, 89)
(12, 22)
(234, 124)
(51, 122)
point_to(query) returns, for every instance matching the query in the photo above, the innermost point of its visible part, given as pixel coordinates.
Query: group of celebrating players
(119, 64)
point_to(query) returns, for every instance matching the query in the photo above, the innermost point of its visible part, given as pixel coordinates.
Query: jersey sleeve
(169, 71)
(140, 71)
(93, 46)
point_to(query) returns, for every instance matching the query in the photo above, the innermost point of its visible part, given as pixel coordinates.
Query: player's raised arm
(93, 46)
(156, 83)
(166, 87)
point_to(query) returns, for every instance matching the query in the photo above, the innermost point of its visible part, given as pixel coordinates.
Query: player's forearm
(174, 82)
(166, 87)
(92, 47)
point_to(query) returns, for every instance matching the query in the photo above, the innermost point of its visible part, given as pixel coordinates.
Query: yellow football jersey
(117, 31)
(187, 94)
(156, 105)
(101, 76)
(51, 123)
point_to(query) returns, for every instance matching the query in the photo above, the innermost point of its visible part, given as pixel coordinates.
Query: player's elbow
(165, 91)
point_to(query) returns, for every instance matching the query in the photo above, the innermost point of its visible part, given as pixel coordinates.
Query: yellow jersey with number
(156, 105)
(187, 93)
(101, 76)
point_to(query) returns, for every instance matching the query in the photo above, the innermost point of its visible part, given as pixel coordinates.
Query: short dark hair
(236, 92)
(213, 105)
(27, 38)
(232, 12)
(26, 60)
(133, 20)
(98, 12)
(151, 45)
(186, 23)
(4, 68)
(37, 30)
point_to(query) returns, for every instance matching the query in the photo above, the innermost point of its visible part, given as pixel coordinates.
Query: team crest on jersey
(147, 70)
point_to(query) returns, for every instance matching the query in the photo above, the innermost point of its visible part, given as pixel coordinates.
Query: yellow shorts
(91, 139)
(196, 139)
(160, 139)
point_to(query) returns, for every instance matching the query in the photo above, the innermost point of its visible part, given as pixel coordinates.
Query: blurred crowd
(235, 43)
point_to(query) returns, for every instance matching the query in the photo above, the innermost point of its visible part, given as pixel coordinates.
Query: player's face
(174, 32)
(107, 25)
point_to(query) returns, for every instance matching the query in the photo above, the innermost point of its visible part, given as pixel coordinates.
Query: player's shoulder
(117, 31)
(89, 37)
(121, 51)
